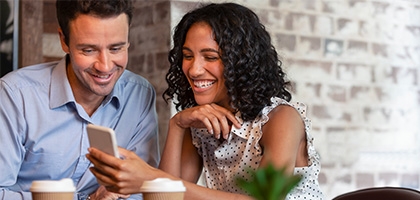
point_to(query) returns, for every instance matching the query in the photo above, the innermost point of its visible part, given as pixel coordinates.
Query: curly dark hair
(68, 10)
(252, 69)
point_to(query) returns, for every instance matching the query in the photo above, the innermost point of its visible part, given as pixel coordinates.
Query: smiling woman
(203, 66)
(233, 98)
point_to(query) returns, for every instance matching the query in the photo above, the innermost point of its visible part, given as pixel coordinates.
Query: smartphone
(103, 138)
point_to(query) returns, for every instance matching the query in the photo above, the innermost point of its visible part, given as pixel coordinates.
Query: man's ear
(64, 46)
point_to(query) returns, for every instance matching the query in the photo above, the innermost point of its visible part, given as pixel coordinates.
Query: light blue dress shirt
(43, 129)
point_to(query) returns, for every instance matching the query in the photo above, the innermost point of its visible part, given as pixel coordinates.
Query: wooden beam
(31, 31)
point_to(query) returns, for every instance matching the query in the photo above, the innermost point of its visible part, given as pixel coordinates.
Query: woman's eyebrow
(202, 50)
(186, 48)
(209, 50)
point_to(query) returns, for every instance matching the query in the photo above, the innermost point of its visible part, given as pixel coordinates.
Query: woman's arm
(127, 176)
(284, 139)
(180, 157)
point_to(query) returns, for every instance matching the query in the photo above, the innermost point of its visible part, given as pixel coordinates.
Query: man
(45, 108)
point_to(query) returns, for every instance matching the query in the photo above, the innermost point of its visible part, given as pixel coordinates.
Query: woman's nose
(196, 68)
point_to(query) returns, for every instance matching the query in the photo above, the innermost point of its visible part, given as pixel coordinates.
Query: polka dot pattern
(225, 160)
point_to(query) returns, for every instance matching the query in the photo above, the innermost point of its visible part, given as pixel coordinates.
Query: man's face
(98, 50)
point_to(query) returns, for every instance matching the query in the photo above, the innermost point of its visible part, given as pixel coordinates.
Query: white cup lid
(63, 185)
(162, 185)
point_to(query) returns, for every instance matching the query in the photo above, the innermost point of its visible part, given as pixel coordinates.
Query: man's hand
(103, 194)
(120, 176)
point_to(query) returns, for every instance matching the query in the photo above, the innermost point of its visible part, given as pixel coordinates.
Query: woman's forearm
(171, 156)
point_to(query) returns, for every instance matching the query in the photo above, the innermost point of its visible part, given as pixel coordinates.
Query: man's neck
(88, 100)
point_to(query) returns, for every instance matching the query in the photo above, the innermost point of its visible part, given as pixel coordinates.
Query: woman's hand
(215, 118)
(123, 176)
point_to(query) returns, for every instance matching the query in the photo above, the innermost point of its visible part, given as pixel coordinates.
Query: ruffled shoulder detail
(309, 173)
(276, 101)
(301, 108)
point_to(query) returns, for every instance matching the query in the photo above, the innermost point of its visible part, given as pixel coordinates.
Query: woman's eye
(187, 57)
(211, 58)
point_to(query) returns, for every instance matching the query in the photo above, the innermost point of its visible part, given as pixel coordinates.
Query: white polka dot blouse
(225, 160)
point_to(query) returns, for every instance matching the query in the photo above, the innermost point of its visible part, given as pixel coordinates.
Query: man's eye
(87, 51)
(115, 49)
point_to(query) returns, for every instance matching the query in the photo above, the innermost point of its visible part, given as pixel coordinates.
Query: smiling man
(45, 108)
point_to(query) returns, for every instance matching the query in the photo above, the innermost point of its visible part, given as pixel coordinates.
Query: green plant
(269, 183)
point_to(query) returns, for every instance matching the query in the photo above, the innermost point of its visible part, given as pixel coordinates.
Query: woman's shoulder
(280, 106)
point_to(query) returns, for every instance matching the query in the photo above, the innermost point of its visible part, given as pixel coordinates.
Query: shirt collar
(240, 131)
(114, 96)
(61, 93)
(60, 90)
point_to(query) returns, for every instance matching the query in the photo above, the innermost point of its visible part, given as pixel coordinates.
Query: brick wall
(355, 63)
(149, 46)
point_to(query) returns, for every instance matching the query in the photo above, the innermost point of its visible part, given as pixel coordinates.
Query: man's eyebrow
(94, 46)
(118, 44)
(86, 45)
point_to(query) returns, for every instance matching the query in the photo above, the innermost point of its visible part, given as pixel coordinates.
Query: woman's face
(203, 66)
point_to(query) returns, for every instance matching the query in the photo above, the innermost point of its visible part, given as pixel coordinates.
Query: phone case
(103, 138)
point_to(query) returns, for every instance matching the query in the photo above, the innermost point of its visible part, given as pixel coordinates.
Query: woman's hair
(68, 10)
(252, 70)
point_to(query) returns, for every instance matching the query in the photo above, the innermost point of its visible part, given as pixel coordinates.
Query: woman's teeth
(203, 84)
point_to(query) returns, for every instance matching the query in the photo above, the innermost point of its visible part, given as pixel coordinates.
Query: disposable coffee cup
(53, 189)
(163, 189)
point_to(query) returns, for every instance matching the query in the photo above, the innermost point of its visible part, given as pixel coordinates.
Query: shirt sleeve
(11, 138)
(6, 195)
(145, 143)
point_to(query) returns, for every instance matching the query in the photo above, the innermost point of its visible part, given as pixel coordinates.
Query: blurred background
(355, 63)
(6, 36)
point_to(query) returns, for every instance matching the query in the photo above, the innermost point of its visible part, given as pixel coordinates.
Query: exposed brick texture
(355, 63)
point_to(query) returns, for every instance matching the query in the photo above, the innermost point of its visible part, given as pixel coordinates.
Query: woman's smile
(203, 83)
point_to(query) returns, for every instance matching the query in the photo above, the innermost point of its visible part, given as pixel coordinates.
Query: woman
(234, 113)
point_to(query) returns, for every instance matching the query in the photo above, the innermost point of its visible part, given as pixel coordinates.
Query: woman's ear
(64, 46)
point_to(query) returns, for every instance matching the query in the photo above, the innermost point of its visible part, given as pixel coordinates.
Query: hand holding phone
(103, 138)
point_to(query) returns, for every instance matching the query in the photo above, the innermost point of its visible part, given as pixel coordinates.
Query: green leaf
(268, 183)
